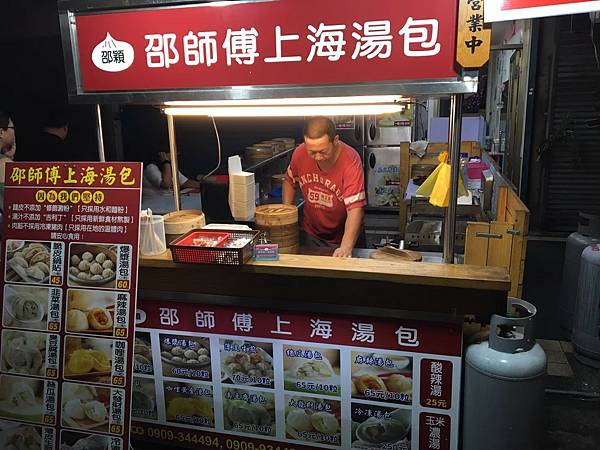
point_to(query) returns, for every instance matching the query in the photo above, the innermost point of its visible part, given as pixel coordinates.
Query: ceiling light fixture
(285, 110)
(351, 100)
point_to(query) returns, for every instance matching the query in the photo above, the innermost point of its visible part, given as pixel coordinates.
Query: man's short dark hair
(319, 126)
(56, 117)
(4, 119)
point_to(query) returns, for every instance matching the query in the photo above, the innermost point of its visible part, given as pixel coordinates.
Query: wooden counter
(298, 279)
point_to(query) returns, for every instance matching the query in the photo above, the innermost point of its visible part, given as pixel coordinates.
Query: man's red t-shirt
(328, 195)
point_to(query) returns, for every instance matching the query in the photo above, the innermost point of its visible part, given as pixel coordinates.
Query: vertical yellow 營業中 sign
(473, 38)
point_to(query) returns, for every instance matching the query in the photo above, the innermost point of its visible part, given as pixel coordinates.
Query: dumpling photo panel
(92, 265)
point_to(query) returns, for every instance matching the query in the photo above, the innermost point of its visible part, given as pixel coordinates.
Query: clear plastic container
(152, 234)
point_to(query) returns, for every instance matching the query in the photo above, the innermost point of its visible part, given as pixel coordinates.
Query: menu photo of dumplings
(70, 440)
(382, 376)
(21, 398)
(85, 407)
(142, 354)
(19, 436)
(88, 359)
(27, 261)
(190, 404)
(92, 265)
(24, 353)
(248, 411)
(247, 363)
(91, 312)
(313, 370)
(27, 306)
(185, 357)
(143, 399)
(313, 420)
(376, 426)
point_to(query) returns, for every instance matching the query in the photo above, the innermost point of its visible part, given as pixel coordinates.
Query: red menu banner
(500, 10)
(69, 281)
(230, 377)
(265, 43)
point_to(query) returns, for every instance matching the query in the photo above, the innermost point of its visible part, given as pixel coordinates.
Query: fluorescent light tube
(353, 100)
(285, 111)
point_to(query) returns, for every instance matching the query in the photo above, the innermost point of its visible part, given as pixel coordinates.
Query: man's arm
(166, 181)
(192, 184)
(289, 193)
(352, 229)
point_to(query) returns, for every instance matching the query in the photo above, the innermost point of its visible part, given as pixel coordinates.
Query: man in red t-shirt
(330, 175)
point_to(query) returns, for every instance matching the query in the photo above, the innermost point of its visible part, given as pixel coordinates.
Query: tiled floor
(572, 405)
(556, 352)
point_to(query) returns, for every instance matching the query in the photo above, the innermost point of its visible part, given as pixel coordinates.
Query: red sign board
(199, 369)
(499, 10)
(266, 43)
(69, 281)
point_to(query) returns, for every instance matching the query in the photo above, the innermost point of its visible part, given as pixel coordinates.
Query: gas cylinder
(586, 320)
(504, 385)
(588, 227)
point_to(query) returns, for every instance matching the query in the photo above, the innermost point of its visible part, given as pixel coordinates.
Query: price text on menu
(239, 378)
(69, 281)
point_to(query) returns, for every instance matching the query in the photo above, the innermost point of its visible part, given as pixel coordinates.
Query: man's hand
(343, 252)
(163, 157)
(351, 231)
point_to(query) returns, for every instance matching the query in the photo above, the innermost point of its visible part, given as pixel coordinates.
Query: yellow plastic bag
(427, 187)
(437, 185)
(440, 192)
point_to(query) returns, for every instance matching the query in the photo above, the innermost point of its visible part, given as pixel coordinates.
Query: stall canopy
(151, 52)
(501, 10)
(157, 52)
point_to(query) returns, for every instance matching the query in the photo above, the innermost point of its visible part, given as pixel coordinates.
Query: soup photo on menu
(376, 426)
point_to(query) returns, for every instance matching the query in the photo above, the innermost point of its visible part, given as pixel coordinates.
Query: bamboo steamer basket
(280, 223)
(278, 146)
(277, 180)
(180, 222)
(257, 153)
(289, 142)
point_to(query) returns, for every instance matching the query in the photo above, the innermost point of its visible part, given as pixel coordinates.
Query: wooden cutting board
(394, 254)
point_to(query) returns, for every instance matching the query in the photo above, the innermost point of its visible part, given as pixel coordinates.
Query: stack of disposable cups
(242, 192)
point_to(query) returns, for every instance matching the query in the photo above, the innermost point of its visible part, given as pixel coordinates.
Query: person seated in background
(158, 177)
(8, 145)
(49, 143)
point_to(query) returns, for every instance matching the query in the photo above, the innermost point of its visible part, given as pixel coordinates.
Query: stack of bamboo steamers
(280, 223)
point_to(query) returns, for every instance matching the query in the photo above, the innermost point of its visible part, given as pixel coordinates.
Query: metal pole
(101, 156)
(454, 133)
(174, 164)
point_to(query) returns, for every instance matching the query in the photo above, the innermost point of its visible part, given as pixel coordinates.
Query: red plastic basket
(184, 251)
(218, 237)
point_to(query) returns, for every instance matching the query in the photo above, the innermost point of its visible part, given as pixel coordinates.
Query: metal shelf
(269, 160)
